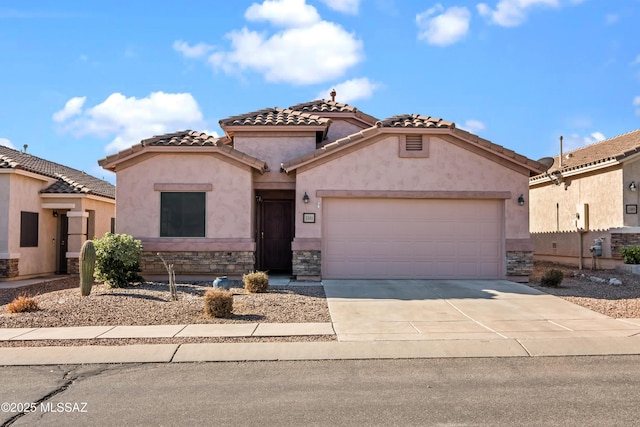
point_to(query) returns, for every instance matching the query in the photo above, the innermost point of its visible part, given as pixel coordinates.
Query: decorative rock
(597, 279)
(614, 281)
(222, 282)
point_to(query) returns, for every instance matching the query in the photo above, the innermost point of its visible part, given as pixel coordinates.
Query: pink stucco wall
(229, 205)
(379, 167)
(274, 150)
(341, 128)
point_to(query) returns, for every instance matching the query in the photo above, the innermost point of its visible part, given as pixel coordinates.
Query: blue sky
(83, 79)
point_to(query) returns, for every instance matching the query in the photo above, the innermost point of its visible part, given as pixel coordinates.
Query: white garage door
(412, 238)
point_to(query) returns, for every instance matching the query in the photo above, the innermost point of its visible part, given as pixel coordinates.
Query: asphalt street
(541, 391)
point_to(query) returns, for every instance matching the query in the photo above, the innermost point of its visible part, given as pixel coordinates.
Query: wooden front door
(274, 235)
(63, 236)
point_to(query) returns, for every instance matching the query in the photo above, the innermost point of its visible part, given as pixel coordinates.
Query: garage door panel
(409, 238)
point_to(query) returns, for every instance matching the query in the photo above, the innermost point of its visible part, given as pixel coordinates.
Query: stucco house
(588, 194)
(323, 190)
(48, 210)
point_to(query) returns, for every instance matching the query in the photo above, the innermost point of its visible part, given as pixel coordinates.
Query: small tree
(118, 259)
(631, 254)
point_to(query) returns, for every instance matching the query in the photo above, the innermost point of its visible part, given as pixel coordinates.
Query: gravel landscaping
(60, 304)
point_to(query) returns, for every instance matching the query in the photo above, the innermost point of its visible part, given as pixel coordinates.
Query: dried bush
(218, 303)
(22, 304)
(256, 281)
(552, 278)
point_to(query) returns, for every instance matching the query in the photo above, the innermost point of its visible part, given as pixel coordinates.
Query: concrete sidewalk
(372, 320)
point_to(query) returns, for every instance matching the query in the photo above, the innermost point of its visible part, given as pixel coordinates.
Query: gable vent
(413, 143)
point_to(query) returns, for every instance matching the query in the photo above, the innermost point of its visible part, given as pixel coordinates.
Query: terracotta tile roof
(70, 181)
(415, 121)
(186, 138)
(616, 148)
(325, 108)
(275, 117)
(320, 106)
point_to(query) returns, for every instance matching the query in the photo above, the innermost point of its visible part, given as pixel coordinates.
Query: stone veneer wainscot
(232, 263)
(9, 267)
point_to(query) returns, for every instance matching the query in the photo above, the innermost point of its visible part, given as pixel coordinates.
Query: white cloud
(351, 90)
(284, 13)
(511, 13)
(345, 6)
(473, 126)
(199, 50)
(129, 120)
(636, 103)
(305, 50)
(317, 53)
(611, 18)
(71, 108)
(6, 143)
(442, 27)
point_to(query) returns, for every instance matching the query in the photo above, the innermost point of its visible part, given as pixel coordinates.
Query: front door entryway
(63, 236)
(274, 231)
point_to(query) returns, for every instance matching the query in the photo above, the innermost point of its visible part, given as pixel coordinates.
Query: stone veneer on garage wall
(232, 263)
(307, 263)
(519, 263)
(9, 267)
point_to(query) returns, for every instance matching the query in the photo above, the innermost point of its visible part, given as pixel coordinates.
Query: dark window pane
(182, 214)
(28, 229)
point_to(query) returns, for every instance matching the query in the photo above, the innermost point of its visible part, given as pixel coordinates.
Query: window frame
(180, 216)
(29, 229)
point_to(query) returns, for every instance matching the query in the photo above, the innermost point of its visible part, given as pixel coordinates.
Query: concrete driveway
(383, 310)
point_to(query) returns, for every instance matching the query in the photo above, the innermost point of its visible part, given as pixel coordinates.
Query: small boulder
(614, 281)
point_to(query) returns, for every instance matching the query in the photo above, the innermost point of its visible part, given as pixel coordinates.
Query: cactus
(87, 265)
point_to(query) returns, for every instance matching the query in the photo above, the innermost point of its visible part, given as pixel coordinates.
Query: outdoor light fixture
(521, 200)
(55, 214)
(305, 198)
(633, 186)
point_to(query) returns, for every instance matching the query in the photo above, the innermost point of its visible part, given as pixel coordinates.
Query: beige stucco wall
(553, 207)
(228, 205)
(104, 211)
(275, 150)
(25, 197)
(341, 128)
(4, 212)
(379, 167)
(631, 172)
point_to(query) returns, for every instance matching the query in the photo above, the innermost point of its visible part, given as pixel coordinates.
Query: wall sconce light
(55, 214)
(305, 198)
(521, 200)
(633, 186)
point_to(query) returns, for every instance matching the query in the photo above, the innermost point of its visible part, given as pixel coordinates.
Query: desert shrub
(552, 277)
(256, 281)
(22, 304)
(118, 259)
(218, 303)
(631, 254)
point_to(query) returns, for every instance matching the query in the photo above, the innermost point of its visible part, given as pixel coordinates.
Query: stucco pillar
(77, 236)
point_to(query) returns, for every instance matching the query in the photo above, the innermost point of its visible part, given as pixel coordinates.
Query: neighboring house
(48, 210)
(321, 189)
(588, 194)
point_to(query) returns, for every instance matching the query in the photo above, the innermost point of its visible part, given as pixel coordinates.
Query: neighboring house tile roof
(415, 121)
(614, 149)
(186, 138)
(275, 117)
(69, 180)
